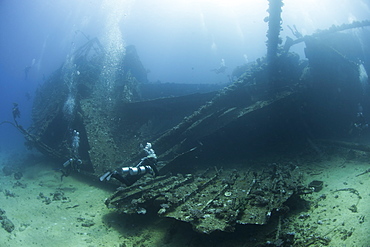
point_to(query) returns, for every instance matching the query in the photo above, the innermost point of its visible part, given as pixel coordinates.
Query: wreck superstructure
(112, 122)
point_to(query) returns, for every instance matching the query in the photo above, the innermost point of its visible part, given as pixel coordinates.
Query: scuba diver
(129, 175)
(220, 69)
(17, 114)
(360, 123)
(15, 111)
(73, 163)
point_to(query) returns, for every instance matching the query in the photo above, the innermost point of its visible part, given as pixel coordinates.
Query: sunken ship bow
(279, 102)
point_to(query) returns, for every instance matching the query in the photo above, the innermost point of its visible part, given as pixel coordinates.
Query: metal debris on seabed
(213, 200)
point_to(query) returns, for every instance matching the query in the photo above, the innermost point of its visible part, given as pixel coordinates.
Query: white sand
(60, 222)
(332, 216)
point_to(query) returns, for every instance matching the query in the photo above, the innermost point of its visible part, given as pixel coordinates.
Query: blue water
(177, 41)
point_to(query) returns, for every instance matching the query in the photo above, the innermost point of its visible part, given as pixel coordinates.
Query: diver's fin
(106, 176)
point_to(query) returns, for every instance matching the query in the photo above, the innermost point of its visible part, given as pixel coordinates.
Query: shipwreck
(278, 102)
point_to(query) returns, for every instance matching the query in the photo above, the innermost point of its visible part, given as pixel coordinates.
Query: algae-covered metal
(214, 199)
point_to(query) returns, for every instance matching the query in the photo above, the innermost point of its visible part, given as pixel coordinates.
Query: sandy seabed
(46, 211)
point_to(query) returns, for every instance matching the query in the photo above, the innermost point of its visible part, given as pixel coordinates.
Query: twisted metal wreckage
(278, 101)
